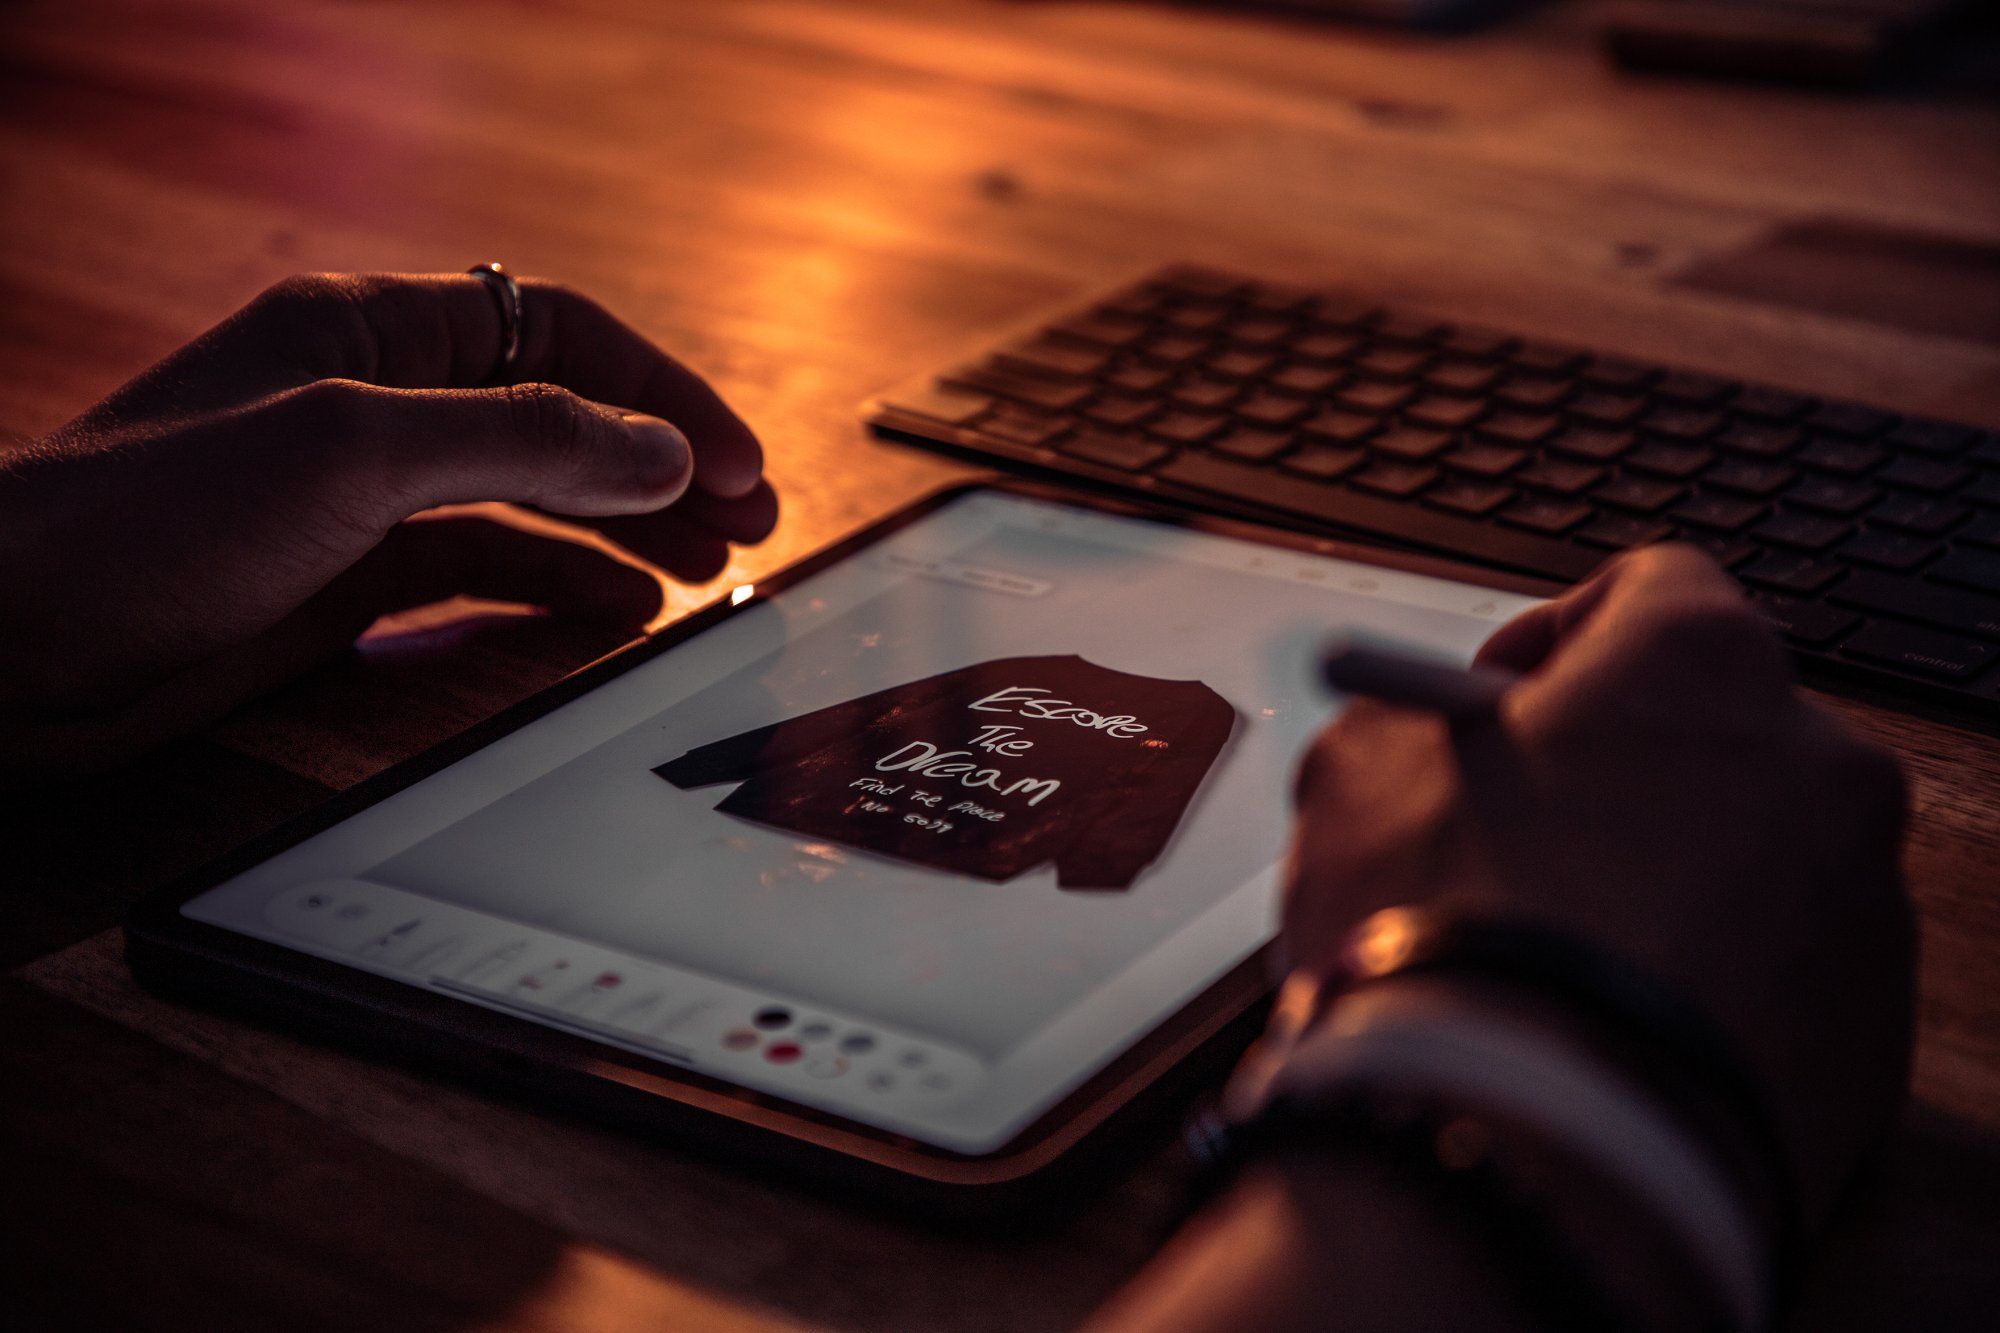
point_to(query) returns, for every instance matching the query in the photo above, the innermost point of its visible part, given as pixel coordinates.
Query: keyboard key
(1409, 328)
(1346, 427)
(1254, 444)
(1919, 513)
(1058, 396)
(1600, 446)
(1618, 531)
(1550, 357)
(1646, 495)
(1309, 379)
(1888, 550)
(1471, 539)
(1124, 452)
(1723, 548)
(1104, 329)
(1759, 441)
(1546, 514)
(1608, 409)
(1346, 312)
(1847, 457)
(953, 407)
(1273, 409)
(1138, 377)
(1117, 409)
(1851, 419)
(1486, 460)
(1198, 316)
(1188, 427)
(1323, 461)
(1830, 495)
(1401, 480)
(1924, 474)
(1325, 345)
(1467, 341)
(1560, 475)
(1018, 425)
(1519, 427)
(1770, 404)
(1979, 570)
(1805, 532)
(1932, 437)
(1679, 461)
(1391, 363)
(1616, 373)
(1813, 624)
(1800, 575)
(1240, 363)
(1726, 513)
(1463, 376)
(1173, 349)
(1749, 477)
(1946, 608)
(1682, 423)
(1535, 393)
(1048, 356)
(1258, 330)
(1925, 652)
(1469, 497)
(1374, 395)
(1445, 411)
(1685, 386)
(1205, 394)
(1412, 443)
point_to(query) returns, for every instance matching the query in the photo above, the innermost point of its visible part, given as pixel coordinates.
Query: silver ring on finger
(507, 294)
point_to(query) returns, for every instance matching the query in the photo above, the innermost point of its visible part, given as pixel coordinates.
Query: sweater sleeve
(739, 757)
(1129, 835)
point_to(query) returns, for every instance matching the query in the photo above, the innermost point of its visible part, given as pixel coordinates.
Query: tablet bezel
(211, 964)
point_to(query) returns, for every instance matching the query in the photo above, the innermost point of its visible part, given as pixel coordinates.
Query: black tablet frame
(1044, 1165)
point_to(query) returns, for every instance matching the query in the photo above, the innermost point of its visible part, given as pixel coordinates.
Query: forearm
(1314, 1235)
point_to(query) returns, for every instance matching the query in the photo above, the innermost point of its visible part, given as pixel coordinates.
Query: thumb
(540, 444)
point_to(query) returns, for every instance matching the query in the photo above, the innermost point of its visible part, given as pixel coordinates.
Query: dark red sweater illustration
(990, 770)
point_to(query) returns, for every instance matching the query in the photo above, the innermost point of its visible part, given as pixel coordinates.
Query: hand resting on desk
(252, 503)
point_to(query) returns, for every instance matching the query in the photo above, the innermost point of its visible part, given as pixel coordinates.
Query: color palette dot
(739, 1039)
(783, 1052)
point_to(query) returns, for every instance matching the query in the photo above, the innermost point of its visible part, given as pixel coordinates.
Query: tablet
(895, 853)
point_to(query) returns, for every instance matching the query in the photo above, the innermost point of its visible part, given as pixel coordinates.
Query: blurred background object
(1834, 42)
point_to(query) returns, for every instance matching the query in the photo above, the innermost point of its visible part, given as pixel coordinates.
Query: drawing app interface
(924, 839)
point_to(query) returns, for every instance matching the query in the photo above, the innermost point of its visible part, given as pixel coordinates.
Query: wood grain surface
(811, 201)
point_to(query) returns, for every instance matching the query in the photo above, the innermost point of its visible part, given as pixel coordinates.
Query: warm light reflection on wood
(590, 1291)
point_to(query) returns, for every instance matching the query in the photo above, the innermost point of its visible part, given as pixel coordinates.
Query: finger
(690, 555)
(421, 562)
(431, 559)
(1525, 642)
(444, 331)
(744, 521)
(398, 451)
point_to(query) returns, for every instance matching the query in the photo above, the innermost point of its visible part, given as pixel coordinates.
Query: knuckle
(549, 415)
(1715, 636)
(340, 408)
(301, 295)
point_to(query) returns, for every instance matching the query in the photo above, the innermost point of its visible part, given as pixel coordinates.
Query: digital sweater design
(990, 770)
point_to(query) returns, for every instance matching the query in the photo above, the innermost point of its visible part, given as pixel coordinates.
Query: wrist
(1610, 1115)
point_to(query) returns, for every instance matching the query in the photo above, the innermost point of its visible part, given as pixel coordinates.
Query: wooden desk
(811, 201)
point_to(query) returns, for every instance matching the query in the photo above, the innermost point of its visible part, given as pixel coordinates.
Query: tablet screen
(924, 839)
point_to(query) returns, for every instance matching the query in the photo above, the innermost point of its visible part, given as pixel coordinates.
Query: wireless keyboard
(1870, 539)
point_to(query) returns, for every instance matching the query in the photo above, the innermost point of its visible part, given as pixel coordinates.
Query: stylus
(1381, 669)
